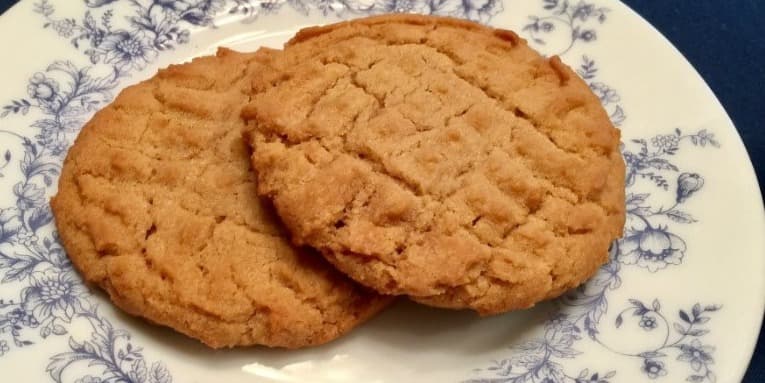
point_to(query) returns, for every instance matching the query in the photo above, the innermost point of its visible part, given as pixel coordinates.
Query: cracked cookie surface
(438, 158)
(157, 206)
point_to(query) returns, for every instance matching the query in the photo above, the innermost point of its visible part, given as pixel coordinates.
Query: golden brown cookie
(157, 205)
(438, 158)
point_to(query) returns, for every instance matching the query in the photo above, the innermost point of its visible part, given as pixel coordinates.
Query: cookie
(438, 158)
(157, 205)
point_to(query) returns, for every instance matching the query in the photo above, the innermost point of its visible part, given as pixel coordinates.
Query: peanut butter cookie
(157, 206)
(438, 158)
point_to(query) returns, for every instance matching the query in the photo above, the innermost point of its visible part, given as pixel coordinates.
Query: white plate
(681, 300)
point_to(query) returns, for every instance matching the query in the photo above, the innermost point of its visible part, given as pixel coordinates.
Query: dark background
(725, 41)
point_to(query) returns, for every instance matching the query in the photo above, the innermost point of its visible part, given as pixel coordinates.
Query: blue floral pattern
(50, 298)
(577, 19)
(110, 351)
(477, 10)
(649, 242)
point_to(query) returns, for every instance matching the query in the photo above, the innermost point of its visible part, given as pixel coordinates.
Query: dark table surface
(725, 41)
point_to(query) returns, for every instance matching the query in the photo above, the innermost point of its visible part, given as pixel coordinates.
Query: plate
(681, 299)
